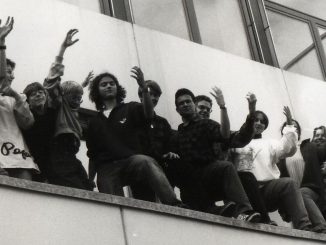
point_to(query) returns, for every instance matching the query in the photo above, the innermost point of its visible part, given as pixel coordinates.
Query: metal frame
(313, 23)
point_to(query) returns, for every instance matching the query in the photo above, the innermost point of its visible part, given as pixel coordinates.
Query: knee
(288, 184)
(145, 163)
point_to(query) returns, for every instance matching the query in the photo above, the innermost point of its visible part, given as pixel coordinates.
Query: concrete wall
(42, 214)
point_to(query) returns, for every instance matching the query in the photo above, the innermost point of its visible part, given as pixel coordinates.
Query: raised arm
(287, 146)
(4, 31)
(147, 102)
(245, 134)
(88, 79)
(225, 122)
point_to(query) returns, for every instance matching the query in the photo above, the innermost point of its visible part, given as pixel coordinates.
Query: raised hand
(139, 76)
(251, 101)
(68, 40)
(287, 113)
(218, 95)
(5, 29)
(88, 79)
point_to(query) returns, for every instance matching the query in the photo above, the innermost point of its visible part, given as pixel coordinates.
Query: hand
(139, 76)
(88, 79)
(171, 156)
(218, 95)
(68, 40)
(252, 100)
(287, 113)
(4, 30)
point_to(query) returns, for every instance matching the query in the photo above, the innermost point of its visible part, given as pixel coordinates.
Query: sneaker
(226, 210)
(253, 217)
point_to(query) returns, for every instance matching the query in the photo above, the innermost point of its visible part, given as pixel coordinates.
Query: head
(261, 122)
(73, 93)
(154, 91)
(296, 125)
(319, 135)
(203, 106)
(10, 70)
(105, 86)
(184, 102)
(36, 95)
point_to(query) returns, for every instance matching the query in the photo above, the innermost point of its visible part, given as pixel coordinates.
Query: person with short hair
(15, 115)
(113, 142)
(194, 144)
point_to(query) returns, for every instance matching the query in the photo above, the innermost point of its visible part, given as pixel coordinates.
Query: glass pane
(322, 33)
(221, 26)
(93, 5)
(164, 15)
(291, 37)
(313, 7)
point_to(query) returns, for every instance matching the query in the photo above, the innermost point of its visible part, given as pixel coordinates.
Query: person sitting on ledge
(215, 180)
(15, 114)
(113, 140)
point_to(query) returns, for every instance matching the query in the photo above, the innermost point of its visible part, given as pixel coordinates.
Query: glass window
(294, 45)
(164, 15)
(322, 34)
(221, 26)
(93, 5)
(312, 7)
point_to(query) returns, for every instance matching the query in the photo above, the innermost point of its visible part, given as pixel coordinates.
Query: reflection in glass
(221, 26)
(164, 15)
(294, 45)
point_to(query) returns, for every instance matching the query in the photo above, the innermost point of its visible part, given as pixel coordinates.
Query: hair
(199, 98)
(298, 128)
(30, 88)
(183, 91)
(71, 87)
(94, 94)
(10, 63)
(315, 130)
(153, 87)
(265, 118)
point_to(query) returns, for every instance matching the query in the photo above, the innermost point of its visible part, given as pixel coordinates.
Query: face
(204, 109)
(10, 74)
(107, 88)
(185, 105)
(74, 99)
(259, 126)
(37, 98)
(319, 136)
(154, 97)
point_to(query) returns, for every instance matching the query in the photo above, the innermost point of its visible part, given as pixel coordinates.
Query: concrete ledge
(9, 182)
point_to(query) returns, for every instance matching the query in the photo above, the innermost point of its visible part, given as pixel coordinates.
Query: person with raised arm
(15, 115)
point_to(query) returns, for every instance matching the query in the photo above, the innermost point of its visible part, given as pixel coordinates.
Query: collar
(195, 118)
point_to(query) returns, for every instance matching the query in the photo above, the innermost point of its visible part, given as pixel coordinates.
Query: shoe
(271, 222)
(181, 205)
(319, 229)
(253, 217)
(226, 210)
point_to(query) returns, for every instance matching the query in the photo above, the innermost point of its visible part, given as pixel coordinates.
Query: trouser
(251, 187)
(202, 186)
(284, 194)
(139, 170)
(310, 198)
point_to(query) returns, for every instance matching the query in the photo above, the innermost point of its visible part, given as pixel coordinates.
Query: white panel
(40, 219)
(178, 63)
(308, 99)
(176, 231)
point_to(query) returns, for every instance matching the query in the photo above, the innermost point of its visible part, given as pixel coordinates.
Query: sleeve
(214, 132)
(52, 83)
(136, 110)
(287, 146)
(23, 114)
(242, 137)
(90, 142)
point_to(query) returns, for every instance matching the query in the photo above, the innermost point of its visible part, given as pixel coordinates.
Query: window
(93, 5)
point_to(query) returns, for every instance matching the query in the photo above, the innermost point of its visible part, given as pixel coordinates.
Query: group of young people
(130, 145)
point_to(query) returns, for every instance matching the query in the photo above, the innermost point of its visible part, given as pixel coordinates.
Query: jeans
(202, 186)
(310, 198)
(139, 170)
(284, 194)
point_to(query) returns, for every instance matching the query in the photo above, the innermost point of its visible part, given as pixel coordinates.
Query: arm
(225, 122)
(88, 79)
(244, 135)
(287, 146)
(147, 102)
(4, 31)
